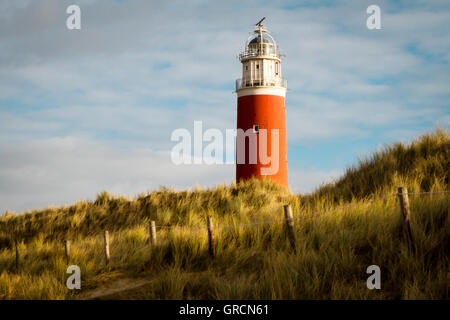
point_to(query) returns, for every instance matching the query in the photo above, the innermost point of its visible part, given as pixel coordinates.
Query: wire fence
(303, 215)
(59, 215)
(210, 227)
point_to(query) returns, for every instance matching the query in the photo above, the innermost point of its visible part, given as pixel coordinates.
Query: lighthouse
(261, 147)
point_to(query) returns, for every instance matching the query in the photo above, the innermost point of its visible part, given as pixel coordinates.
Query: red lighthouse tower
(261, 146)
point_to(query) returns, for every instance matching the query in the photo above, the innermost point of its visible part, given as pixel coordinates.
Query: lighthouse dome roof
(257, 39)
(260, 43)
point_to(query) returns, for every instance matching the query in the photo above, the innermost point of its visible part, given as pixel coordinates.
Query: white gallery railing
(247, 83)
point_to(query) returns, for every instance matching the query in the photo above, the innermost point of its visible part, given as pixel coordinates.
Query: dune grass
(253, 260)
(426, 162)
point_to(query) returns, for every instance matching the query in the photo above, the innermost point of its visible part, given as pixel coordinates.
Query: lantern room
(261, 61)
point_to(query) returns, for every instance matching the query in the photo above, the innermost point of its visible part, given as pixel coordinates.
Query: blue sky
(92, 109)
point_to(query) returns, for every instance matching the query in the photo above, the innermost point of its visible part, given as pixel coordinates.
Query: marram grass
(354, 229)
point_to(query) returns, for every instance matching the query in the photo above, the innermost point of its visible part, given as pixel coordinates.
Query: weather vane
(259, 24)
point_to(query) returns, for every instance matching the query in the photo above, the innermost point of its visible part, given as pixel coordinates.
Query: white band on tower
(275, 91)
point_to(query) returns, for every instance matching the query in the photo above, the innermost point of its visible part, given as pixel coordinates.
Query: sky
(87, 110)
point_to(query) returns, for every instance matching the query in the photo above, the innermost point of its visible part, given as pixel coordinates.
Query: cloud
(137, 70)
(59, 171)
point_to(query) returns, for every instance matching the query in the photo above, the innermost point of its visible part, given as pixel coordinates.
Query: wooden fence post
(107, 256)
(17, 256)
(67, 250)
(404, 207)
(152, 228)
(290, 226)
(212, 251)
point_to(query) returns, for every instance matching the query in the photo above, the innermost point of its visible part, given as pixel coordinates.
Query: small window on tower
(257, 66)
(246, 67)
(256, 128)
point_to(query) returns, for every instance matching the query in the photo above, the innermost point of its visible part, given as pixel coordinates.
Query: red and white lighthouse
(261, 109)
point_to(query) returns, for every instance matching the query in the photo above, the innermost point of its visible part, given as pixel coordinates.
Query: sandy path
(113, 287)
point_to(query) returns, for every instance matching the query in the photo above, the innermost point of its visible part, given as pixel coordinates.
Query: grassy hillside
(424, 163)
(359, 225)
